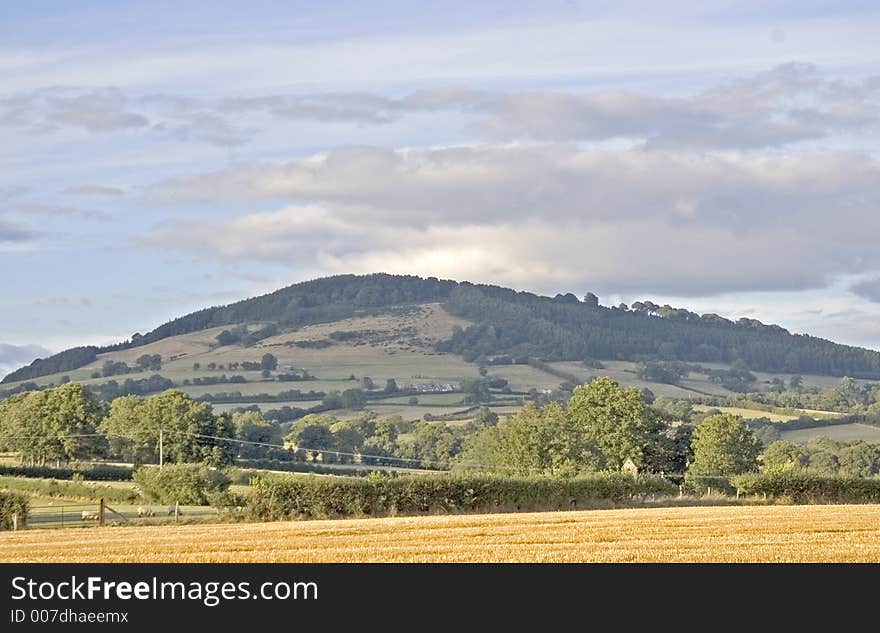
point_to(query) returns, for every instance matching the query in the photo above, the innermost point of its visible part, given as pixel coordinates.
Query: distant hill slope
(507, 322)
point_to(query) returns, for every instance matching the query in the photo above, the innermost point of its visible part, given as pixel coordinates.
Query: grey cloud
(93, 109)
(14, 356)
(13, 233)
(93, 191)
(620, 221)
(868, 289)
(8, 193)
(56, 210)
(785, 105)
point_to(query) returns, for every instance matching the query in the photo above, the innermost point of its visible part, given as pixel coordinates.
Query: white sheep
(144, 512)
(88, 515)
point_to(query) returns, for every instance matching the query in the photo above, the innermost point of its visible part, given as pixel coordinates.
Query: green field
(840, 433)
(391, 347)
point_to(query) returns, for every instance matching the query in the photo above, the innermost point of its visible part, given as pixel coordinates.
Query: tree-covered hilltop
(517, 324)
(63, 361)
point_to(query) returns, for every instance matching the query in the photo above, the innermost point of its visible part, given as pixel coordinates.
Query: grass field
(837, 533)
(840, 433)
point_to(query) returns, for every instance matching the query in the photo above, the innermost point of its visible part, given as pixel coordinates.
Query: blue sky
(158, 158)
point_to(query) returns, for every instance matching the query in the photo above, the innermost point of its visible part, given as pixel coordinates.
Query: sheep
(88, 515)
(144, 512)
(175, 509)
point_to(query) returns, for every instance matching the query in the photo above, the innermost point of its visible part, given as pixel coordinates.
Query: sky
(161, 157)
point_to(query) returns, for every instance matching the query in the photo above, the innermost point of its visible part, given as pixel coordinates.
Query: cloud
(8, 193)
(96, 110)
(93, 191)
(613, 220)
(785, 105)
(15, 356)
(56, 210)
(868, 289)
(12, 233)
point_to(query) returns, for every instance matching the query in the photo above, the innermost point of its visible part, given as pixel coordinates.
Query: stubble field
(828, 533)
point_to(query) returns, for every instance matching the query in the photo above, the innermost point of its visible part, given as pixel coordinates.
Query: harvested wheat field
(733, 533)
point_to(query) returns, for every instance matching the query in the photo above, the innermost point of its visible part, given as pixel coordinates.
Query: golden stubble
(830, 533)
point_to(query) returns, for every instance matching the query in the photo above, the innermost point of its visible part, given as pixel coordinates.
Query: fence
(63, 514)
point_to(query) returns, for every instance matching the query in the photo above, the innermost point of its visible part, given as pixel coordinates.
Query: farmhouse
(433, 387)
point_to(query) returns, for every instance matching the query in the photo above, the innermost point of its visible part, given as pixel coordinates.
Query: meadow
(831, 533)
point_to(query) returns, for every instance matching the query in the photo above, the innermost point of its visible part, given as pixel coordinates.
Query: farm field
(838, 533)
(748, 414)
(839, 433)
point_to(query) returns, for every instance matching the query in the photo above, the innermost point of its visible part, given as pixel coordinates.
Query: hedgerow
(87, 473)
(284, 497)
(800, 487)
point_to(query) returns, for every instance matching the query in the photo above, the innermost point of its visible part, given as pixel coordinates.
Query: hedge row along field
(805, 488)
(69, 489)
(10, 505)
(89, 473)
(281, 498)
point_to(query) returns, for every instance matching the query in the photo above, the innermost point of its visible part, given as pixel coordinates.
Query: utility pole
(161, 452)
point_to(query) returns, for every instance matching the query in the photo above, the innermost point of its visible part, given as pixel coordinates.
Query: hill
(497, 325)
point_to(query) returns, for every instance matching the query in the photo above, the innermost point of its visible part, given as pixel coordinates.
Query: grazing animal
(173, 508)
(144, 512)
(90, 516)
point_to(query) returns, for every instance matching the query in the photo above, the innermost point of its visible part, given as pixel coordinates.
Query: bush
(284, 497)
(187, 484)
(799, 487)
(12, 503)
(90, 473)
(70, 489)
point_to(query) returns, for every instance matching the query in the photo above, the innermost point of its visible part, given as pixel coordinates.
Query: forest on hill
(514, 324)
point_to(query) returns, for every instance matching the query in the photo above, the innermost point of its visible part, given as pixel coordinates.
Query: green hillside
(503, 322)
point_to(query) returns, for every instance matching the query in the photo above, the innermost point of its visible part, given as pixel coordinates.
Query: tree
(190, 430)
(53, 425)
(591, 300)
(252, 427)
(149, 362)
(269, 362)
(312, 435)
(535, 441)
(391, 386)
(486, 417)
(368, 383)
(226, 338)
(613, 418)
(475, 390)
(782, 455)
(723, 446)
(353, 399)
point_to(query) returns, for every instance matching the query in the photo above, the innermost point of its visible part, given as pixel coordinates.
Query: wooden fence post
(101, 513)
(15, 522)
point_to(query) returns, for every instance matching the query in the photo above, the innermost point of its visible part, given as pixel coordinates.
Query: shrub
(189, 484)
(88, 473)
(70, 489)
(11, 504)
(799, 487)
(284, 497)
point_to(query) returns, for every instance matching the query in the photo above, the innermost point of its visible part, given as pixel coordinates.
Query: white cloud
(624, 220)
